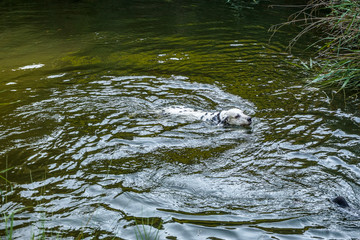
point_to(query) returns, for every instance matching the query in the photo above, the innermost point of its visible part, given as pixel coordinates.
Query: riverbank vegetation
(338, 50)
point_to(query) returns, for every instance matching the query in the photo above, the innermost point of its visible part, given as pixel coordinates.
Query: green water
(82, 85)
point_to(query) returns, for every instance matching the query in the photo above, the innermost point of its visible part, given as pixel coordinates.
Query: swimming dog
(232, 116)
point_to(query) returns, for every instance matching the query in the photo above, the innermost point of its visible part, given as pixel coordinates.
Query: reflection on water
(82, 89)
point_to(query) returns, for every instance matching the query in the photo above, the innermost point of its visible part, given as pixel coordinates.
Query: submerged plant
(4, 178)
(9, 223)
(146, 230)
(3, 193)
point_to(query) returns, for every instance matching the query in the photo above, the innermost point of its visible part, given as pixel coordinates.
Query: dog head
(234, 116)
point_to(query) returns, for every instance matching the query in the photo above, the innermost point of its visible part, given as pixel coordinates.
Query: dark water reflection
(82, 85)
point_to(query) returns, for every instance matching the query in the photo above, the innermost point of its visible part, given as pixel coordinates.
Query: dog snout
(249, 119)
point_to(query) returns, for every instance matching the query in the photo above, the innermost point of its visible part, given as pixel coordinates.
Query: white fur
(232, 116)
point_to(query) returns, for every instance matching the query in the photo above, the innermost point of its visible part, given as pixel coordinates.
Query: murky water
(82, 85)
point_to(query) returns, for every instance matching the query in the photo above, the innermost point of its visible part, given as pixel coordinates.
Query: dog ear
(224, 121)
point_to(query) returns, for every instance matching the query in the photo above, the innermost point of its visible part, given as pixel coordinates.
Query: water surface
(82, 85)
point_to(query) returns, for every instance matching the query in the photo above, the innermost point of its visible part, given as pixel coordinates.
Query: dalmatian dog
(232, 116)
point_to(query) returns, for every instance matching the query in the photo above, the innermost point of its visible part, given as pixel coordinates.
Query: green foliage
(308, 66)
(5, 171)
(339, 49)
(146, 231)
(344, 73)
(9, 223)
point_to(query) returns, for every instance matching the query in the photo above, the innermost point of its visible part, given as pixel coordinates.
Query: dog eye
(237, 116)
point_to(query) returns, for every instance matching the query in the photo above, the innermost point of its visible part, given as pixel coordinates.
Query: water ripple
(91, 151)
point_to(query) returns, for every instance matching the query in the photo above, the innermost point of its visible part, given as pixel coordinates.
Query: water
(82, 85)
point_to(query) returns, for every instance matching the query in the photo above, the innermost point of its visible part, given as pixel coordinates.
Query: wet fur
(232, 116)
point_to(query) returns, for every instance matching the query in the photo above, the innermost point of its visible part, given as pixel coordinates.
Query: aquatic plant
(338, 48)
(9, 224)
(4, 178)
(146, 231)
(8, 218)
(3, 192)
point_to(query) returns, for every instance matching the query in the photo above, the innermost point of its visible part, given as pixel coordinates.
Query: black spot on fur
(216, 118)
(225, 122)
